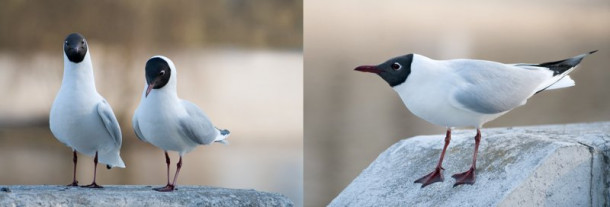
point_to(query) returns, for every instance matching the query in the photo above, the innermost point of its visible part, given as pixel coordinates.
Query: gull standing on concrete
(467, 93)
(80, 117)
(168, 122)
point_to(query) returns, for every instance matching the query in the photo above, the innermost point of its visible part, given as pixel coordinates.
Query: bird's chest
(74, 119)
(160, 127)
(429, 100)
(74, 109)
(160, 124)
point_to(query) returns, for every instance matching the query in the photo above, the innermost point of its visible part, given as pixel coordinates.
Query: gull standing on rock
(467, 93)
(80, 117)
(168, 122)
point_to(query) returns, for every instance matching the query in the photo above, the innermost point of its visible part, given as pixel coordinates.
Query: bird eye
(82, 42)
(162, 73)
(396, 66)
(66, 42)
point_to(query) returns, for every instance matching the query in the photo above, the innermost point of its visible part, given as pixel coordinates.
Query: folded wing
(110, 122)
(197, 126)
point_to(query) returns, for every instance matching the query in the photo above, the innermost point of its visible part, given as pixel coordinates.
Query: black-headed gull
(467, 93)
(168, 122)
(80, 117)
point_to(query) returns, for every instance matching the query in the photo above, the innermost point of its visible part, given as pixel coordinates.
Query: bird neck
(79, 75)
(166, 93)
(162, 98)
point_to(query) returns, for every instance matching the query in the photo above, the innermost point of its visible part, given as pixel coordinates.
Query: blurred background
(351, 117)
(240, 61)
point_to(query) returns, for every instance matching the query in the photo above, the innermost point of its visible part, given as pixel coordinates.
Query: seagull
(467, 93)
(80, 117)
(168, 122)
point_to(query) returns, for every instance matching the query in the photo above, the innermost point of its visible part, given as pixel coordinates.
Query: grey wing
(490, 87)
(197, 126)
(110, 121)
(136, 128)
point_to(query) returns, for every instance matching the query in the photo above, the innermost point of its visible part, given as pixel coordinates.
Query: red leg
(179, 166)
(168, 186)
(172, 187)
(74, 182)
(469, 176)
(436, 175)
(93, 184)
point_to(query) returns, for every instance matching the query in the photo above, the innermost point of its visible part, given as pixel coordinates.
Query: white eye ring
(396, 66)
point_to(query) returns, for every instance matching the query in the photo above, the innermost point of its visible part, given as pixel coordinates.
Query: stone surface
(119, 195)
(553, 165)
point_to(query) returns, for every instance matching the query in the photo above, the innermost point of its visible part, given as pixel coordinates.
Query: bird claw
(73, 184)
(167, 188)
(92, 185)
(434, 176)
(468, 177)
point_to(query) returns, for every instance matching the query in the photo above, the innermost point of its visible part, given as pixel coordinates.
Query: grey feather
(494, 87)
(197, 125)
(110, 121)
(136, 128)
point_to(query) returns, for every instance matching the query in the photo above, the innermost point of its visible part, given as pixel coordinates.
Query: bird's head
(158, 72)
(75, 47)
(394, 71)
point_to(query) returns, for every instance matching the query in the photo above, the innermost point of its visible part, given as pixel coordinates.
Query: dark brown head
(75, 47)
(158, 72)
(394, 71)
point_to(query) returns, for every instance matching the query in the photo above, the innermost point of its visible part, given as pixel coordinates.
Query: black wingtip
(108, 167)
(561, 66)
(224, 132)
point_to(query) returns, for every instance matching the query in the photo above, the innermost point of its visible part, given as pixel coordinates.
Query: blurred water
(351, 117)
(257, 94)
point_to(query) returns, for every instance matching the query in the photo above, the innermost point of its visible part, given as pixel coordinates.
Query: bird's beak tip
(149, 89)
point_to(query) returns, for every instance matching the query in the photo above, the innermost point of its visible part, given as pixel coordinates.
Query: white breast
(158, 118)
(74, 119)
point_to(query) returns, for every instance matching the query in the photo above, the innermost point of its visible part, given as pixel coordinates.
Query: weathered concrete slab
(554, 165)
(119, 195)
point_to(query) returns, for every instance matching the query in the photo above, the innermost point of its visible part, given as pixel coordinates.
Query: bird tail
(112, 159)
(222, 136)
(564, 82)
(561, 69)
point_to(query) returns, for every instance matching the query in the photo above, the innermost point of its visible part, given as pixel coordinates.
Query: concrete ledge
(119, 195)
(555, 165)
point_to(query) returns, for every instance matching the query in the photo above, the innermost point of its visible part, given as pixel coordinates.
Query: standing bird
(467, 93)
(168, 122)
(80, 117)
